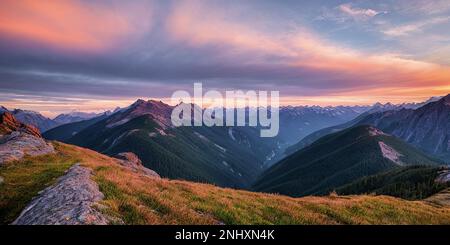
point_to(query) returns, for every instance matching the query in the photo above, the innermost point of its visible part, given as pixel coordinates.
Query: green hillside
(338, 159)
(199, 154)
(66, 131)
(412, 182)
(136, 199)
(312, 137)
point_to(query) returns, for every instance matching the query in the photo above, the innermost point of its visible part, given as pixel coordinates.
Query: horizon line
(93, 107)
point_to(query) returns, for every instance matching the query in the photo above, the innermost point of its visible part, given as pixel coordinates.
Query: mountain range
(338, 159)
(367, 154)
(426, 127)
(229, 156)
(76, 116)
(221, 155)
(44, 123)
(66, 131)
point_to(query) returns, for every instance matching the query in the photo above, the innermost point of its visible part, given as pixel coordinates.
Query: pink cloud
(199, 25)
(67, 24)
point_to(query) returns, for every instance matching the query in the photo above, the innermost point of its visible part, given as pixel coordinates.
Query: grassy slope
(24, 179)
(138, 199)
(141, 200)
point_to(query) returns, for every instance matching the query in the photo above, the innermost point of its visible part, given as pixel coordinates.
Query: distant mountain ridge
(296, 121)
(76, 116)
(338, 159)
(195, 153)
(43, 123)
(427, 127)
(9, 124)
(34, 118)
(66, 131)
(102, 135)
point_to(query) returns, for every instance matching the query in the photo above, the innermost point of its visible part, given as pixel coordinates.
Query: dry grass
(138, 199)
(25, 178)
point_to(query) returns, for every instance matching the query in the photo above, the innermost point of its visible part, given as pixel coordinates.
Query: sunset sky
(58, 56)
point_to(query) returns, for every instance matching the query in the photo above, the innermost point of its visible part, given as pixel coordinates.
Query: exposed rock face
(18, 139)
(9, 123)
(130, 160)
(390, 153)
(157, 110)
(69, 202)
(427, 127)
(18, 144)
(375, 132)
(444, 176)
(34, 118)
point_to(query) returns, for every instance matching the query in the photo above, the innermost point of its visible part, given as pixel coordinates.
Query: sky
(60, 56)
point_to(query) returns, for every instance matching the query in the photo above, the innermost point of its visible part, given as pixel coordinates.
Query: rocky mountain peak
(158, 110)
(3, 109)
(137, 103)
(446, 99)
(74, 116)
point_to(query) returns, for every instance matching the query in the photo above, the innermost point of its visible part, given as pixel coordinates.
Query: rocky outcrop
(9, 124)
(71, 201)
(390, 153)
(18, 144)
(130, 160)
(444, 176)
(18, 139)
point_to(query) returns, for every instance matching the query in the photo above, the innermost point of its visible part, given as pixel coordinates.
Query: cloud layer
(115, 51)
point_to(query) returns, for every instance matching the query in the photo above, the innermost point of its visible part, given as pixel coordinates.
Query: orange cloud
(198, 25)
(371, 69)
(64, 24)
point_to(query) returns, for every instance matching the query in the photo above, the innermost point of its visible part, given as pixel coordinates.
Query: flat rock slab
(68, 202)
